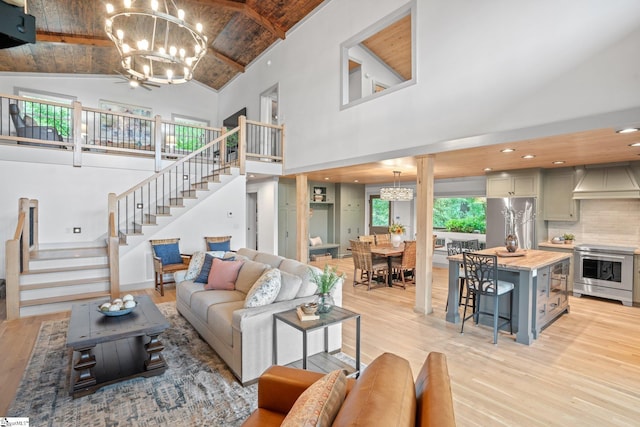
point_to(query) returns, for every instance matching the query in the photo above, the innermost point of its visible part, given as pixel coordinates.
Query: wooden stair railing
(24, 239)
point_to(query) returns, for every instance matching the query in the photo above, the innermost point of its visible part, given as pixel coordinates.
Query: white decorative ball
(129, 304)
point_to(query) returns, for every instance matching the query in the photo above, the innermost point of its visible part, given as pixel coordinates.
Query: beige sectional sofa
(243, 337)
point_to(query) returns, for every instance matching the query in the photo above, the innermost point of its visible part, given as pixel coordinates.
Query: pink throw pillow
(223, 275)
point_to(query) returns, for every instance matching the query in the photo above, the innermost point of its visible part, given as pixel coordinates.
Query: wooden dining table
(388, 251)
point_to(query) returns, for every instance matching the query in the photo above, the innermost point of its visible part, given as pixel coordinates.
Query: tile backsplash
(607, 222)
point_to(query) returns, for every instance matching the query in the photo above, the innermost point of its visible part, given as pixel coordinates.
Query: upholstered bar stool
(482, 280)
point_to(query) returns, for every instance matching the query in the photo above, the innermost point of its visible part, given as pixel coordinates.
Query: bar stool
(454, 248)
(482, 280)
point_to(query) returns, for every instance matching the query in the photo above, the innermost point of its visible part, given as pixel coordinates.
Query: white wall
(189, 99)
(482, 67)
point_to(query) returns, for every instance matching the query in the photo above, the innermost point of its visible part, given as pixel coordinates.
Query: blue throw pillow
(169, 253)
(203, 277)
(220, 246)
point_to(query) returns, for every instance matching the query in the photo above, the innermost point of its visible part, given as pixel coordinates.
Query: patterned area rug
(197, 389)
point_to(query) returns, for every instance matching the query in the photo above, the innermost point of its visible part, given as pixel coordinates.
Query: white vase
(396, 239)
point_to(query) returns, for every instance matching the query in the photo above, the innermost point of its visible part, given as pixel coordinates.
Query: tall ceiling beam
(51, 37)
(249, 12)
(224, 58)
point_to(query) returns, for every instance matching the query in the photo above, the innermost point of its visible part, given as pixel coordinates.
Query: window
(461, 214)
(189, 135)
(380, 215)
(42, 113)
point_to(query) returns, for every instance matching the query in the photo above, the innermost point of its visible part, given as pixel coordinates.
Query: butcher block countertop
(562, 245)
(532, 259)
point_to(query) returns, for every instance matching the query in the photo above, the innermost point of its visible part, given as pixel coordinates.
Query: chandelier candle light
(396, 193)
(154, 44)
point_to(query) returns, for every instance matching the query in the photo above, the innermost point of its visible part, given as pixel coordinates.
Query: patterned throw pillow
(195, 265)
(169, 253)
(203, 275)
(265, 290)
(223, 275)
(319, 404)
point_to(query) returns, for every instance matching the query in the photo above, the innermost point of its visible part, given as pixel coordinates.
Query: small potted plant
(326, 281)
(396, 230)
(568, 238)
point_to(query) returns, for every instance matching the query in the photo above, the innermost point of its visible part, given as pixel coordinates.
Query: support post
(302, 218)
(242, 143)
(77, 134)
(12, 272)
(424, 235)
(157, 132)
(113, 248)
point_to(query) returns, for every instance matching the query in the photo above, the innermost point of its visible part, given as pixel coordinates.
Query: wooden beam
(424, 235)
(302, 219)
(249, 12)
(51, 37)
(224, 58)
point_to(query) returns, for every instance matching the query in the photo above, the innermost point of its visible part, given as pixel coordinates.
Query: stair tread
(63, 269)
(64, 298)
(68, 253)
(64, 283)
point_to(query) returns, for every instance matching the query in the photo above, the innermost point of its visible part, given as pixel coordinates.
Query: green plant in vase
(325, 282)
(568, 238)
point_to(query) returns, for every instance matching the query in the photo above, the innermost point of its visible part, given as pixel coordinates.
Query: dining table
(388, 252)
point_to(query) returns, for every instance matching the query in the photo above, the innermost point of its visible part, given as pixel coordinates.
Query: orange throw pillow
(223, 275)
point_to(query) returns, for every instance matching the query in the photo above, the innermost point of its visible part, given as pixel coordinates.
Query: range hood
(616, 182)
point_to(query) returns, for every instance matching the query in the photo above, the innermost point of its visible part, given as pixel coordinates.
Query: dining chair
(406, 264)
(167, 259)
(383, 239)
(482, 280)
(368, 267)
(368, 238)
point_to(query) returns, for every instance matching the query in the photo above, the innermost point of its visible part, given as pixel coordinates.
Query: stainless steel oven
(604, 271)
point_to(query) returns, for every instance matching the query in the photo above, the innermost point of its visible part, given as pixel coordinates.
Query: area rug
(197, 389)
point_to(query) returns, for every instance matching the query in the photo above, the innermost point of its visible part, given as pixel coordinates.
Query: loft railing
(17, 251)
(82, 129)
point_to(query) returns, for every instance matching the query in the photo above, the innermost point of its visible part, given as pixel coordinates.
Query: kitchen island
(540, 294)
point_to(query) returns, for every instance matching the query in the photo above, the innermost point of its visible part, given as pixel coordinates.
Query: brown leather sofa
(384, 395)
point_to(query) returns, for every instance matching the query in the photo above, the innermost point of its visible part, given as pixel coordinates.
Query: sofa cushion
(249, 253)
(384, 395)
(169, 253)
(289, 286)
(249, 273)
(301, 270)
(203, 276)
(271, 259)
(219, 320)
(265, 290)
(319, 404)
(186, 289)
(223, 275)
(202, 301)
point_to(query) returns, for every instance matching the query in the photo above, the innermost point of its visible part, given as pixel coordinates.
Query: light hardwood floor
(583, 370)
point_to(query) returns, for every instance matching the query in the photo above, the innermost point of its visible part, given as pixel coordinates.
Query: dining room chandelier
(154, 41)
(396, 193)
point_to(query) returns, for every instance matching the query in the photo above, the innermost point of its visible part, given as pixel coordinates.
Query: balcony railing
(33, 122)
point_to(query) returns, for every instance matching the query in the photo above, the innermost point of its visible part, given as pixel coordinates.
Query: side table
(323, 361)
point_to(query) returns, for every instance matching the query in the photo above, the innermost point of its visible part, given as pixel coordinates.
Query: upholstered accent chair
(218, 243)
(365, 267)
(167, 259)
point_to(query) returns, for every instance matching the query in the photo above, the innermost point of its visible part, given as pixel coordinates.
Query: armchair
(24, 130)
(218, 243)
(167, 259)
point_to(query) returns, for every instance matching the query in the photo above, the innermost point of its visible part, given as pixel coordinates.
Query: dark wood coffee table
(111, 349)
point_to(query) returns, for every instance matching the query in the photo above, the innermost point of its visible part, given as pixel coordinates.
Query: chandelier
(154, 44)
(396, 193)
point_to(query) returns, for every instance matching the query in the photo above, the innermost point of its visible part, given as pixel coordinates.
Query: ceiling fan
(135, 82)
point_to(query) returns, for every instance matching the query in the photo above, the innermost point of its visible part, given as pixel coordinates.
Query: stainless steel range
(604, 271)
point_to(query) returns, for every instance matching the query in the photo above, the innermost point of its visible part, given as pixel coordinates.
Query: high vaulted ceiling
(71, 37)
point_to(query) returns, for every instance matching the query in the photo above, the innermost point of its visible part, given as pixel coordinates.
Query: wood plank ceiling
(71, 38)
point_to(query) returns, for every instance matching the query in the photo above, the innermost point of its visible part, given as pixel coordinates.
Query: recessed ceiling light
(635, 144)
(528, 156)
(558, 162)
(488, 169)
(628, 130)
(252, 176)
(355, 180)
(508, 150)
(326, 178)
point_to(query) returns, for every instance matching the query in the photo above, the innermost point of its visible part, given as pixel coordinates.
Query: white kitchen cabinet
(514, 184)
(557, 194)
(349, 213)
(287, 231)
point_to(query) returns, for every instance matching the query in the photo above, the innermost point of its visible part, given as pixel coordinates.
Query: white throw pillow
(265, 290)
(195, 265)
(315, 241)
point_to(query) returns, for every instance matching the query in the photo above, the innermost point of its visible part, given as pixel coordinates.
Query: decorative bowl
(309, 308)
(119, 312)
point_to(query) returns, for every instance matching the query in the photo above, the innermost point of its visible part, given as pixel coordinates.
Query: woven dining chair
(383, 239)
(406, 264)
(368, 238)
(365, 268)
